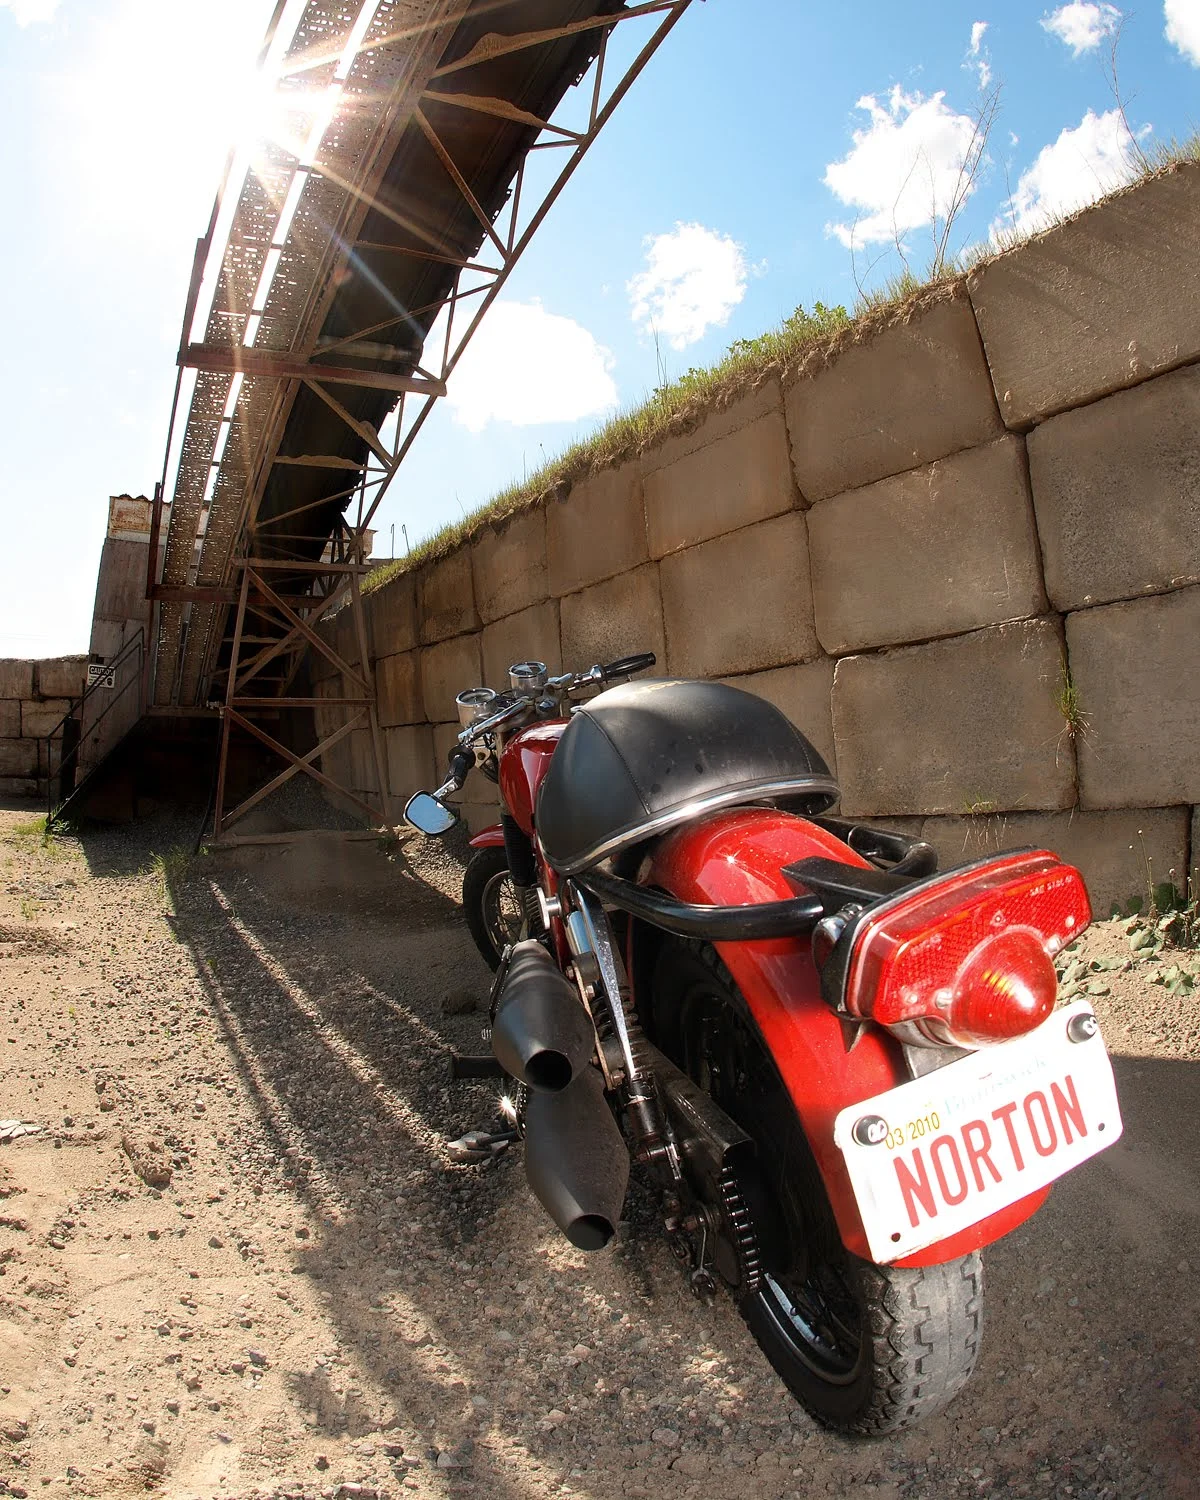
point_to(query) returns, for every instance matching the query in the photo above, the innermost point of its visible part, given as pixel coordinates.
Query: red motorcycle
(843, 1071)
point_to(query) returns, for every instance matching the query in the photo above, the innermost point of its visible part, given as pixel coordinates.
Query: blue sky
(772, 154)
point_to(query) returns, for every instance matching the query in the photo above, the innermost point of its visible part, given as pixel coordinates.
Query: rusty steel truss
(409, 187)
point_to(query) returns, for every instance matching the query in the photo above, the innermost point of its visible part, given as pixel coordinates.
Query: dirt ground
(319, 1303)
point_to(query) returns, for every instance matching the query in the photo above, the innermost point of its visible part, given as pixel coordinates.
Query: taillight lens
(969, 959)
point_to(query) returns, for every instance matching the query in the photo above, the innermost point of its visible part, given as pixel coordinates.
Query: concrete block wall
(913, 548)
(34, 696)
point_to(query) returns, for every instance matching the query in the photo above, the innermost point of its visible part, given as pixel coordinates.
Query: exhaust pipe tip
(549, 1071)
(576, 1160)
(590, 1231)
(541, 1033)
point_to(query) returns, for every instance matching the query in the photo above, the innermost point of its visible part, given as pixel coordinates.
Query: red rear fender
(736, 858)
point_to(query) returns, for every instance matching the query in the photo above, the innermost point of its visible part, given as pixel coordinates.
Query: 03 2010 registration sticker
(936, 1155)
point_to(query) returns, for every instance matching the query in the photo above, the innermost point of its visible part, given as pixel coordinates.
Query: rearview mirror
(427, 815)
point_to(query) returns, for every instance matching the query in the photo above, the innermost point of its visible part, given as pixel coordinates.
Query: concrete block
(10, 718)
(802, 694)
(38, 719)
(531, 635)
(345, 637)
(1116, 486)
(398, 689)
(410, 761)
(941, 550)
(509, 565)
(479, 815)
(392, 612)
(61, 677)
(19, 786)
(740, 603)
(327, 721)
(16, 678)
(446, 669)
(446, 598)
(121, 581)
(320, 668)
(18, 757)
(1135, 669)
(613, 619)
(107, 638)
(916, 391)
(1108, 848)
(364, 777)
(968, 723)
(712, 425)
(596, 531)
(1096, 304)
(742, 477)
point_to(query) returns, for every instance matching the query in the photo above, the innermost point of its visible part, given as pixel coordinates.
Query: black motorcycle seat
(644, 757)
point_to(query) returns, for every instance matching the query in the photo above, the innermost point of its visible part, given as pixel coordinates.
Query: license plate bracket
(934, 1156)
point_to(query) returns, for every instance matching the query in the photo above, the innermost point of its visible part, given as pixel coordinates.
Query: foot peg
(480, 1145)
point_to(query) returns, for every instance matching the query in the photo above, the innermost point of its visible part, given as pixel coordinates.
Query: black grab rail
(70, 726)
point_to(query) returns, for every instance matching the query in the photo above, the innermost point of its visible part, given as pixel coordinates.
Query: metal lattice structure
(418, 185)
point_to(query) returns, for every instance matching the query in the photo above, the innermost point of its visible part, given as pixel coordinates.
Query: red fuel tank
(524, 762)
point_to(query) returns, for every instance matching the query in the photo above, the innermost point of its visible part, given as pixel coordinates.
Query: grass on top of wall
(802, 343)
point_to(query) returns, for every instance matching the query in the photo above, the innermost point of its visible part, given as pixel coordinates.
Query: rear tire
(865, 1349)
(491, 903)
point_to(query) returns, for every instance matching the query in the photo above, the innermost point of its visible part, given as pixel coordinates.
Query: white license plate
(934, 1156)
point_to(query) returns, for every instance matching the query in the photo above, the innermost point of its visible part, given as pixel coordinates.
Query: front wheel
(865, 1349)
(492, 903)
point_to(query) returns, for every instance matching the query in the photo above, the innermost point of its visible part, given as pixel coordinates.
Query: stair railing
(71, 740)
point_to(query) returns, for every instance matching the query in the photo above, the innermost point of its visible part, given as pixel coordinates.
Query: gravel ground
(318, 1302)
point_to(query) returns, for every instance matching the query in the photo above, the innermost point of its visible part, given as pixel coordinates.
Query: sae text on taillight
(967, 959)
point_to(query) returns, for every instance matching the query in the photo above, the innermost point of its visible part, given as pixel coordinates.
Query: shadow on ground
(327, 967)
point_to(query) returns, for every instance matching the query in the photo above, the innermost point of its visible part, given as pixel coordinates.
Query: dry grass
(801, 344)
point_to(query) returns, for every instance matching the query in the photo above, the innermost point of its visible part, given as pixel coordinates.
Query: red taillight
(969, 959)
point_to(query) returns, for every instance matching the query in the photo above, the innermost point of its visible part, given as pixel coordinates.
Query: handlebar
(549, 700)
(626, 666)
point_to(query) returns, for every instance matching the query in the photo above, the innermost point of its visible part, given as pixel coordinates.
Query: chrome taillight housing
(967, 959)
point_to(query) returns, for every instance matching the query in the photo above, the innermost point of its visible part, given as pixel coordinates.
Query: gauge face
(528, 676)
(474, 704)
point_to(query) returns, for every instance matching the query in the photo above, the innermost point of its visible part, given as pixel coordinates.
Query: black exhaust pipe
(541, 1034)
(576, 1160)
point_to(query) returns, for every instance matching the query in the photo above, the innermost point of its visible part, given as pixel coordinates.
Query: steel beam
(246, 361)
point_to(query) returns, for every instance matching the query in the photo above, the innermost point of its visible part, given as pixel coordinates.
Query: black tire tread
(925, 1322)
(483, 865)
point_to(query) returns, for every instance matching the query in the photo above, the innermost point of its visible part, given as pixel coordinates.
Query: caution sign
(101, 675)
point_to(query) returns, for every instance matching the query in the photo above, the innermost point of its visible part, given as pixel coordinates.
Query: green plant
(169, 870)
(1170, 922)
(1076, 718)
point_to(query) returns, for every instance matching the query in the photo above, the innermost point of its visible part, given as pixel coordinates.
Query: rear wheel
(491, 903)
(865, 1349)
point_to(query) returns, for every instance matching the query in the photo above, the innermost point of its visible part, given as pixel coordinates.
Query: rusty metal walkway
(416, 146)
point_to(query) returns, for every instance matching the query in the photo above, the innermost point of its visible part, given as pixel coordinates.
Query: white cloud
(1082, 25)
(525, 365)
(30, 12)
(693, 280)
(977, 57)
(905, 169)
(1183, 27)
(1082, 165)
